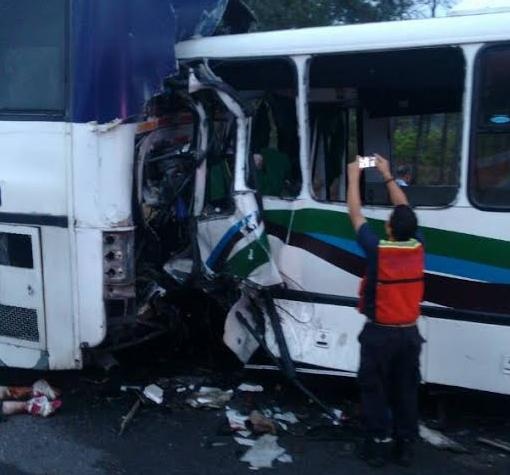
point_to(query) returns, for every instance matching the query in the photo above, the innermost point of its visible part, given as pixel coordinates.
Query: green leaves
(283, 14)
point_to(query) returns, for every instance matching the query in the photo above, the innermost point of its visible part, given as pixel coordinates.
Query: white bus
(74, 75)
(433, 96)
(239, 189)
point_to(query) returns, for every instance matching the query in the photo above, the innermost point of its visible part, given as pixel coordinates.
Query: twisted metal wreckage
(225, 252)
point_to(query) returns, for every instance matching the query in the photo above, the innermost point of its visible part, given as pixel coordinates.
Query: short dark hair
(403, 170)
(403, 222)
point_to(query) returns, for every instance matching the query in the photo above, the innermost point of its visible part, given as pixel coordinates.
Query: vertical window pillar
(303, 66)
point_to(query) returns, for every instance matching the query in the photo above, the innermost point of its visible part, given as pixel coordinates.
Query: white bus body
(69, 187)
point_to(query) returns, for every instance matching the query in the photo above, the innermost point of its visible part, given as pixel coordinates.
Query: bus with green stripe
(276, 118)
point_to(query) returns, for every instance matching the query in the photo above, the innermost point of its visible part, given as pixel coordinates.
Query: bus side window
(269, 87)
(334, 140)
(409, 104)
(425, 150)
(490, 146)
(220, 162)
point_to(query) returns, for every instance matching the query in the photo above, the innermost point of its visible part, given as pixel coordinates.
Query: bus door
(22, 320)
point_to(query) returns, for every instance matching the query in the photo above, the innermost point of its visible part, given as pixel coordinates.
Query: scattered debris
(435, 438)
(285, 458)
(264, 452)
(289, 417)
(244, 441)
(495, 443)
(236, 421)
(126, 387)
(43, 388)
(250, 388)
(154, 393)
(181, 389)
(129, 416)
(213, 398)
(261, 424)
(42, 406)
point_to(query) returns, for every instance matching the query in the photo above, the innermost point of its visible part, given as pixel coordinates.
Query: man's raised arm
(353, 196)
(397, 196)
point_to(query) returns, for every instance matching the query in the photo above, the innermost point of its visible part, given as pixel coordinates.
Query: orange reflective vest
(399, 287)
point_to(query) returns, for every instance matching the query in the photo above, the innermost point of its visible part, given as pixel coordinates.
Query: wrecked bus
(254, 144)
(233, 182)
(74, 75)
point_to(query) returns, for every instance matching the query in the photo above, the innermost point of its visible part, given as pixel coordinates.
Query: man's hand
(354, 171)
(397, 196)
(383, 166)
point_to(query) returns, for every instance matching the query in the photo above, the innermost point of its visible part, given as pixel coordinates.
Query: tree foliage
(283, 14)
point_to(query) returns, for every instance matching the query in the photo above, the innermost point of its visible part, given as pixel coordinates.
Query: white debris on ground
(289, 417)
(250, 388)
(236, 421)
(245, 442)
(154, 393)
(213, 398)
(435, 438)
(264, 452)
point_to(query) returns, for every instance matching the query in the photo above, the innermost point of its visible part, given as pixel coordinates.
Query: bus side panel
(103, 158)
(103, 174)
(89, 244)
(470, 355)
(58, 292)
(33, 168)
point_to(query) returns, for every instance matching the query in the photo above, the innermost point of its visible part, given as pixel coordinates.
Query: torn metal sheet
(237, 245)
(236, 336)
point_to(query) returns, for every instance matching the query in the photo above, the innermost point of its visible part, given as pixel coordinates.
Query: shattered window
(269, 88)
(220, 160)
(490, 153)
(334, 138)
(32, 55)
(425, 149)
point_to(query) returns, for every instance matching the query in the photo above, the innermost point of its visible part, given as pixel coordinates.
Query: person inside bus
(390, 296)
(403, 175)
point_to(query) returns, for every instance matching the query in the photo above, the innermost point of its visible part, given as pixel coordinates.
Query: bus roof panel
(351, 38)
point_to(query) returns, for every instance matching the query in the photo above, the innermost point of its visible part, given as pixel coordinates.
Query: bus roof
(360, 37)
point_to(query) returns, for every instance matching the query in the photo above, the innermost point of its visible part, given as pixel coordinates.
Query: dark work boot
(403, 452)
(375, 452)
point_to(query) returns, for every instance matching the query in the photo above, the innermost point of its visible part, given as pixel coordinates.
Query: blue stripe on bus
(433, 262)
(223, 243)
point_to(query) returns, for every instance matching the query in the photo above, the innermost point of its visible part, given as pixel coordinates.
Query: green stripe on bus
(244, 262)
(484, 250)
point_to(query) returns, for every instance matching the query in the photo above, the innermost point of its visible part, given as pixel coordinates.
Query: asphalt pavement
(174, 438)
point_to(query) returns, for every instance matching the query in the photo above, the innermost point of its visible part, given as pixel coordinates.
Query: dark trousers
(389, 377)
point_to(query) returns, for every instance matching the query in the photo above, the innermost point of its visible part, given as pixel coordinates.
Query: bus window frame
(473, 132)
(50, 115)
(361, 145)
